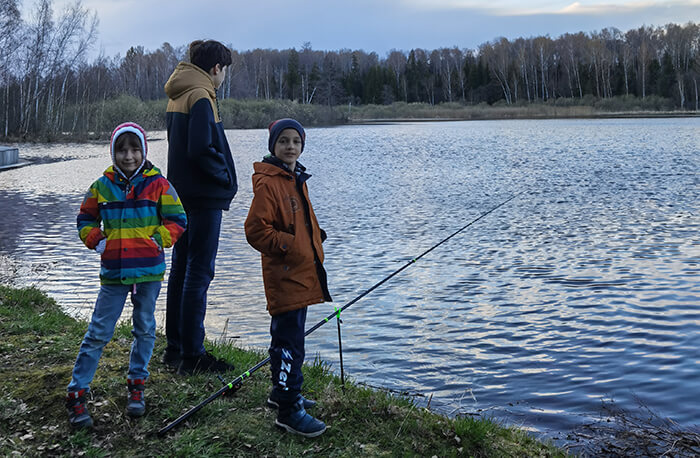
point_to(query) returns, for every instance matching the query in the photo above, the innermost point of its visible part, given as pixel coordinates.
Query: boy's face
(128, 159)
(218, 75)
(288, 147)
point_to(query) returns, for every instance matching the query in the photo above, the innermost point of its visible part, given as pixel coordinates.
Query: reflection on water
(585, 287)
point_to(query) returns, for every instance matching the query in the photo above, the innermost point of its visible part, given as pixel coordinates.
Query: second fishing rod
(235, 384)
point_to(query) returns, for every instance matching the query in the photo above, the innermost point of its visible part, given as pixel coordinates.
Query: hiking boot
(136, 403)
(273, 401)
(205, 362)
(295, 420)
(78, 415)
(171, 359)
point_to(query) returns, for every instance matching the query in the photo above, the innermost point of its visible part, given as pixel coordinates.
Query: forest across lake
(49, 89)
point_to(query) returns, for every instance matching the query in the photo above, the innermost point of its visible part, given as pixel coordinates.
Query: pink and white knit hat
(140, 133)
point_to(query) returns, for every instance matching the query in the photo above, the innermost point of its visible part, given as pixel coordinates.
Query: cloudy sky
(371, 25)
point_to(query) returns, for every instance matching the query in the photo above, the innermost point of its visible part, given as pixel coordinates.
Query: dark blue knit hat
(276, 128)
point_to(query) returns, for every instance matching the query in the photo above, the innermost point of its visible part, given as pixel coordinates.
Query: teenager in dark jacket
(201, 168)
(281, 224)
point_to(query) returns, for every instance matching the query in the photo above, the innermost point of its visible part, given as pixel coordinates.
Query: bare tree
(397, 63)
(681, 43)
(498, 57)
(10, 38)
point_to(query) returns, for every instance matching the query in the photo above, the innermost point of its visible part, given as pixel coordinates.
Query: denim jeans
(108, 309)
(191, 272)
(287, 352)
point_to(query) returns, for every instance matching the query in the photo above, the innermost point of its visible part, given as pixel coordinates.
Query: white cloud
(371, 25)
(538, 7)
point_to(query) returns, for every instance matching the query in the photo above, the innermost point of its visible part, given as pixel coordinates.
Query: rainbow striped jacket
(138, 219)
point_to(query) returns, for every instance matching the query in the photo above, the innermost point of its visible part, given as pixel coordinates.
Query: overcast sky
(370, 25)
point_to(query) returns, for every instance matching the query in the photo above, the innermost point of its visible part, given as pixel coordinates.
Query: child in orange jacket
(281, 224)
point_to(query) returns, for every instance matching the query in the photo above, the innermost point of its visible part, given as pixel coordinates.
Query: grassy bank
(38, 344)
(96, 121)
(588, 107)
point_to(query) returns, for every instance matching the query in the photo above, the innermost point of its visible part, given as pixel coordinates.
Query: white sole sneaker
(294, 431)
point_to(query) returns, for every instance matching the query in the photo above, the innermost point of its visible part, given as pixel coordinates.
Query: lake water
(584, 288)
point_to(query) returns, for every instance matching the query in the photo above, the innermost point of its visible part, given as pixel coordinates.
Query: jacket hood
(277, 162)
(267, 169)
(271, 166)
(187, 77)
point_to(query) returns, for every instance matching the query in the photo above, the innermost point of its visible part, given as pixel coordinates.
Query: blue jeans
(191, 272)
(287, 353)
(108, 309)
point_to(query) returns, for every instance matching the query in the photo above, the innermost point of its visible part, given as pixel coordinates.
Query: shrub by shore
(38, 343)
(96, 121)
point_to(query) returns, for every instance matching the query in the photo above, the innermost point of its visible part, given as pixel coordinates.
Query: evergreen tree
(314, 80)
(666, 82)
(292, 78)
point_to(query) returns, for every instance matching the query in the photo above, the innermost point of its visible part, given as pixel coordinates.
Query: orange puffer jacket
(281, 225)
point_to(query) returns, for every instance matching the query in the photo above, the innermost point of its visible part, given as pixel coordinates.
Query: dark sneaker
(136, 403)
(171, 359)
(78, 415)
(273, 401)
(203, 363)
(297, 421)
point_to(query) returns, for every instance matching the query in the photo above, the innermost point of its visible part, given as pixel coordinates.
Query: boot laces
(78, 408)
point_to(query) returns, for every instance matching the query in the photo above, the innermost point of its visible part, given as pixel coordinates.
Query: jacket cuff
(94, 237)
(162, 234)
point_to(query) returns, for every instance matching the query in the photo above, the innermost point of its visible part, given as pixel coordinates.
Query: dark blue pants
(191, 271)
(287, 353)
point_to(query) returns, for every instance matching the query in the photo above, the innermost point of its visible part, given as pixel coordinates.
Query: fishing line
(238, 381)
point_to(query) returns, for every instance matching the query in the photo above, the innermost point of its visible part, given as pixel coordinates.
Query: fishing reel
(234, 388)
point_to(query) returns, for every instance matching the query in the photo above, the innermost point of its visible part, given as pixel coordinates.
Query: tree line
(48, 86)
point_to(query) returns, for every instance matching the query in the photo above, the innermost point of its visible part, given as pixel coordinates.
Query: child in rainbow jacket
(128, 216)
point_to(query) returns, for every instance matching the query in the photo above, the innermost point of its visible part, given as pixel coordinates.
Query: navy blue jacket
(200, 165)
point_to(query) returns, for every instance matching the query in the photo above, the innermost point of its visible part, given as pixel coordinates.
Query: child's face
(288, 147)
(128, 159)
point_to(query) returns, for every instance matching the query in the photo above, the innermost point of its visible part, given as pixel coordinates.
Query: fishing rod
(237, 382)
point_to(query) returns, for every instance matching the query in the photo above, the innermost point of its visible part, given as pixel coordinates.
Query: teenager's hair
(128, 139)
(206, 54)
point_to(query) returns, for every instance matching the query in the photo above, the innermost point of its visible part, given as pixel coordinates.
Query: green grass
(38, 345)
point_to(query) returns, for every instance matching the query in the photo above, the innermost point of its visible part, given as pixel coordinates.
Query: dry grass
(642, 433)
